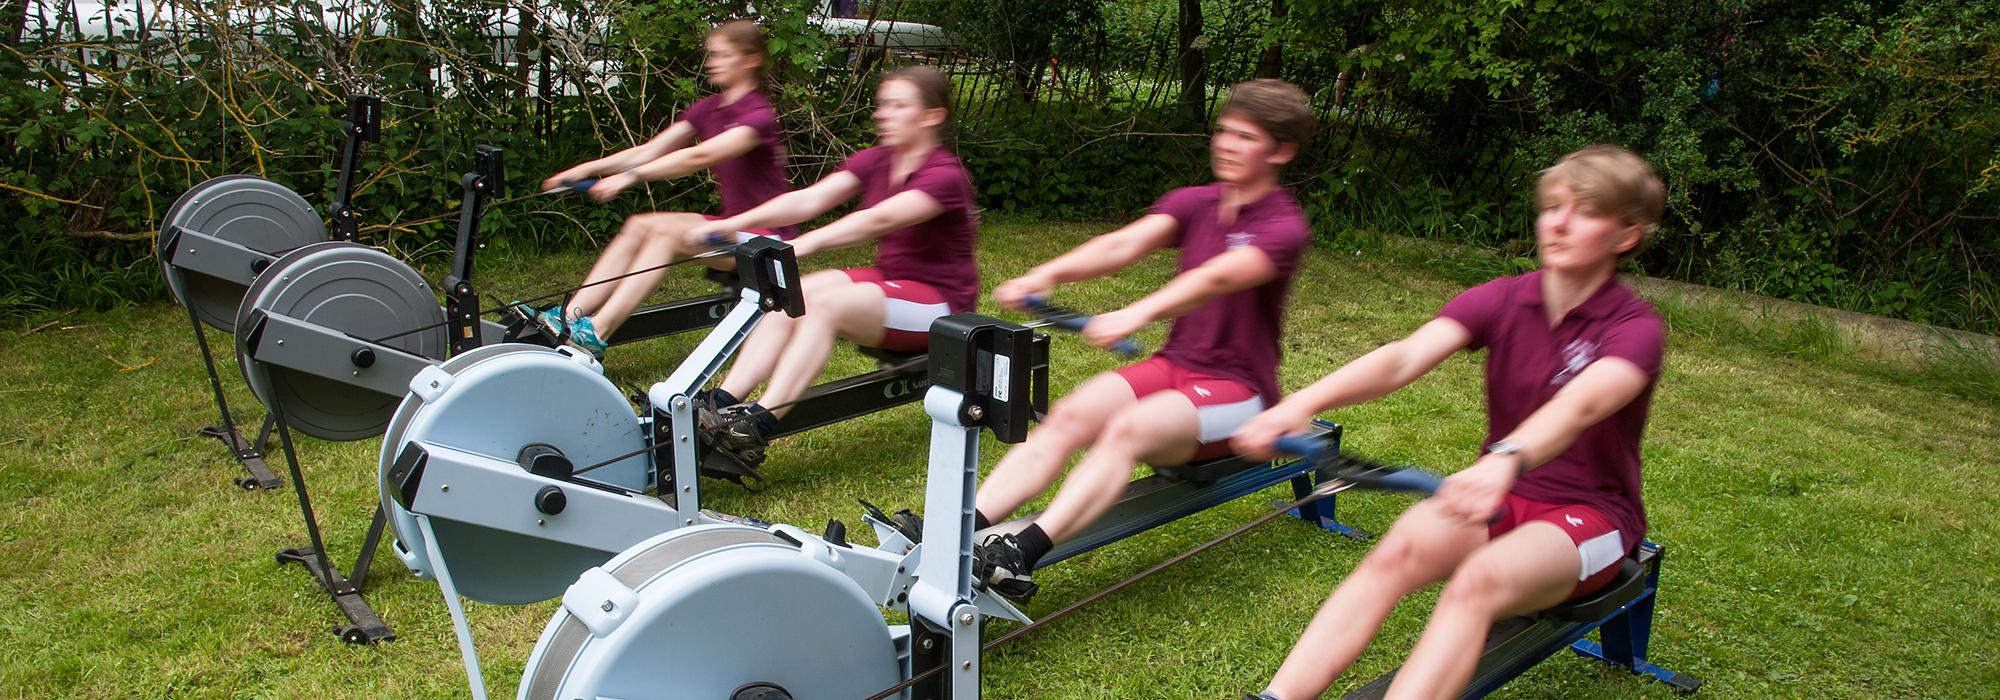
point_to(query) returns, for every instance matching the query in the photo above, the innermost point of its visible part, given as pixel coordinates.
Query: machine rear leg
(250, 456)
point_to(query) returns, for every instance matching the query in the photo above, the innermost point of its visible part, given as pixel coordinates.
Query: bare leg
(1160, 428)
(1422, 547)
(615, 260)
(853, 311)
(1531, 568)
(662, 241)
(1073, 424)
(762, 352)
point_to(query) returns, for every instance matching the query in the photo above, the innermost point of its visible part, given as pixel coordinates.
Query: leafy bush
(1841, 153)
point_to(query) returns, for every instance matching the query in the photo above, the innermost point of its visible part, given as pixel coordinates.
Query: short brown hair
(1278, 107)
(1615, 179)
(747, 37)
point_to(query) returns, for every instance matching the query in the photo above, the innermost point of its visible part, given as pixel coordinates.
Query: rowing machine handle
(1410, 480)
(1074, 323)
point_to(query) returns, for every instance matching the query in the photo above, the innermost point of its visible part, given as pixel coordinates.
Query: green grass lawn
(1829, 527)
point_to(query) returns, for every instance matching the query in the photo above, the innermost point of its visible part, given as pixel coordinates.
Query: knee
(1132, 434)
(1477, 587)
(1394, 561)
(639, 226)
(818, 282)
(1070, 423)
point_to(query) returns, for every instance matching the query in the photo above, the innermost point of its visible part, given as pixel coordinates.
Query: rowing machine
(1621, 612)
(217, 238)
(511, 430)
(689, 613)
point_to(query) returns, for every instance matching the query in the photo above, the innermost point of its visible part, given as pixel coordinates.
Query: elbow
(702, 159)
(874, 224)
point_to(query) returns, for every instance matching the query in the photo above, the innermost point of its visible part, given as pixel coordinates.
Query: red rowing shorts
(908, 308)
(1598, 543)
(1221, 405)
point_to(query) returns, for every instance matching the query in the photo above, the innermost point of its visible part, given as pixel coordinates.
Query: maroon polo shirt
(759, 174)
(1235, 336)
(937, 252)
(1527, 362)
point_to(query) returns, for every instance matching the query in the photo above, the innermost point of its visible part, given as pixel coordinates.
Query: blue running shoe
(551, 318)
(583, 336)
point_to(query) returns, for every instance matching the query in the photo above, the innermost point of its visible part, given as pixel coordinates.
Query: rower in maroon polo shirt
(1552, 503)
(917, 205)
(738, 140)
(1240, 239)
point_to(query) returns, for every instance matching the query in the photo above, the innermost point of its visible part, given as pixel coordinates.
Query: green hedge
(1836, 153)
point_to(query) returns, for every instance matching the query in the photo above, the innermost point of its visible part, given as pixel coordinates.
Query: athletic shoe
(909, 524)
(551, 318)
(583, 336)
(732, 430)
(999, 566)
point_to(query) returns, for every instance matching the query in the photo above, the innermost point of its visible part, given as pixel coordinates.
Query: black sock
(979, 521)
(765, 421)
(1035, 544)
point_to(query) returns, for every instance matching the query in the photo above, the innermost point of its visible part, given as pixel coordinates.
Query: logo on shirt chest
(1577, 355)
(1237, 239)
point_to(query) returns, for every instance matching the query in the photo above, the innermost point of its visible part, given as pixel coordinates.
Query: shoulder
(702, 106)
(866, 159)
(1280, 215)
(1181, 202)
(1207, 194)
(1633, 312)
(754, 108)
(944, 163)
(1496, 290)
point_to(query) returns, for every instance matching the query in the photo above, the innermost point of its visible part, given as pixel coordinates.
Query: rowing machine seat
(1623, 588)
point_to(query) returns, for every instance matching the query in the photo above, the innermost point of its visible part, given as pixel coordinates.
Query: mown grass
(1829, 524)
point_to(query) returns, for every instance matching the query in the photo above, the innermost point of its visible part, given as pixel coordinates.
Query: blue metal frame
(1512, 650)
(1324, 512)
(1156, 500)
(1626, 634)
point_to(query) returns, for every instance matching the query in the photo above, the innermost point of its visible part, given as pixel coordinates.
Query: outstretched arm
(1377, 374)
(1602, 388)
(786, 209)
(1096, 258)
(1223, 274)
(680, 163)
(905, 209)
(674, 138)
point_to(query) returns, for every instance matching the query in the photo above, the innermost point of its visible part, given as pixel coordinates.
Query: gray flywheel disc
(251, 212)
(354, 289)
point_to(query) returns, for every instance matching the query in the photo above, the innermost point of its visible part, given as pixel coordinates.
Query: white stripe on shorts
(1220, 421)
(906, 315)
(1599, 553)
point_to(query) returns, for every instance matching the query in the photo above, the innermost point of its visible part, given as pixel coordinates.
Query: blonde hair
(1616, 180)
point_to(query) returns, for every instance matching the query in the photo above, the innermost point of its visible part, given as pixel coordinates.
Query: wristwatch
(1504, 447)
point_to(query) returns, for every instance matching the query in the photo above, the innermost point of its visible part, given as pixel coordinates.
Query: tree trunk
(1194, 67)
(1273, 60)
(527, 45)
(15, 17)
